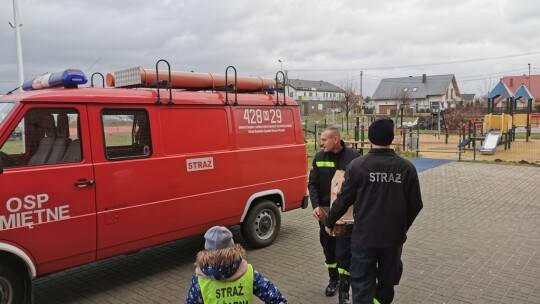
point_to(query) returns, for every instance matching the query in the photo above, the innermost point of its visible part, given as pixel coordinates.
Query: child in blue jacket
(224, 276)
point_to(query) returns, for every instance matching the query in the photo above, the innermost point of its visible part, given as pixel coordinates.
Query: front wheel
(12, 284)
(261, 226)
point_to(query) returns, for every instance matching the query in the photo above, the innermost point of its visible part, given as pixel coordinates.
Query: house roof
(500, 90)
(514, 82)
(389, 88)
(467, 97)
(312, 85)
(523, 93)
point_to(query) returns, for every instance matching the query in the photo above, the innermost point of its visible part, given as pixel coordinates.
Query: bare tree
(350, 101)
(461, 114)
(403, 98)
(484, 90)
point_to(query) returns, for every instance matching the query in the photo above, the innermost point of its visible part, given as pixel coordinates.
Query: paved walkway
(476, 241)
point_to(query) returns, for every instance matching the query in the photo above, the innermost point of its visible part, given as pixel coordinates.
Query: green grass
(311, 151)
(16, 146)
(533, 136)
(13, 147)
(118, 139)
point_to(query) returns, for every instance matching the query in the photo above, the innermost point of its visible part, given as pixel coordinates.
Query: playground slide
(490, 142)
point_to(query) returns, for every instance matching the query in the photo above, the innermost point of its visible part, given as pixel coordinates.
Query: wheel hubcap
(6, 291)
(265, 225)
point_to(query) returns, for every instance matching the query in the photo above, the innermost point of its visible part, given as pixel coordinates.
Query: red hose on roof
(139, 77)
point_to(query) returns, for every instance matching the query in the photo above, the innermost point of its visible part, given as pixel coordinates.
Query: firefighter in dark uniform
(337, 250)
(386, 192)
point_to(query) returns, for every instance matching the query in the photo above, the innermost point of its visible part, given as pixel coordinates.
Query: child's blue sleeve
(266, 291)
(194, 295)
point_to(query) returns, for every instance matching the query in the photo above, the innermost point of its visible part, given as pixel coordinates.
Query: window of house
(414, 89)
(126, 133)
(405, 89)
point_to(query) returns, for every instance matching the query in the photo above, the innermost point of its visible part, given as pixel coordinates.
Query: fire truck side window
(126, 133)
(42, 137)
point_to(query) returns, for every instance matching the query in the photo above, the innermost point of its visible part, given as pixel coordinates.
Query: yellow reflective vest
(239, 291)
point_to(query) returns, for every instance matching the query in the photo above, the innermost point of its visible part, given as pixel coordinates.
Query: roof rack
(92, 79)
(140, 77)
(228, 87)
(282, 85)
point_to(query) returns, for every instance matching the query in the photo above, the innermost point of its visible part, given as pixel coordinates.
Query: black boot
(332, 287)
(344, 287)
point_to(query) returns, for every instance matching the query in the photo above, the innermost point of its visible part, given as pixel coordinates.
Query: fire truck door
(47, 202)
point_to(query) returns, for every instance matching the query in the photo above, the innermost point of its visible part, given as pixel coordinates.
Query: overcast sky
(478, 41)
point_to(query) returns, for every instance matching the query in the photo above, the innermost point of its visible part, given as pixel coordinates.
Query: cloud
(328, 40)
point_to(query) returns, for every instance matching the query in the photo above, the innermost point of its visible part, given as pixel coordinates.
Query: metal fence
(466, 143)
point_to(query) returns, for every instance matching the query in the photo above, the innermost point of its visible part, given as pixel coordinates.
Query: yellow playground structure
(499, 125)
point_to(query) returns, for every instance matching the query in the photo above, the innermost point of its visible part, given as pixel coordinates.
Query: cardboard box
(335, 187)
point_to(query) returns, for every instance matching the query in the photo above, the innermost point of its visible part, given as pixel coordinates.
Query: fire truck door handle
(83, 183)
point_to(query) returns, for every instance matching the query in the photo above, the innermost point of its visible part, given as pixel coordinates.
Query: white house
(314, 96)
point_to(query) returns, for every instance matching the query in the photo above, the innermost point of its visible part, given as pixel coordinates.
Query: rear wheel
(261, 226)
(12, 284)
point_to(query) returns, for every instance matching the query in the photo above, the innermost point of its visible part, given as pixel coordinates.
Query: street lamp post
(16, 25)
(280, 65)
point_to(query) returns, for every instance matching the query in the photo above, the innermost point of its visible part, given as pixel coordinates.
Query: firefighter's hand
(317, 213)
(330, 231)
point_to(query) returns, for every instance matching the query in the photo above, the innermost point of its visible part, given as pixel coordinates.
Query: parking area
(476, 241)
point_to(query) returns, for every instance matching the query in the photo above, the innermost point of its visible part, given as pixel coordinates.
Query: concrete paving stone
(506, 300)
(111, 301)
(461, 299)
(408, 301)
(476, 241)
(480, 301)
(517, 295)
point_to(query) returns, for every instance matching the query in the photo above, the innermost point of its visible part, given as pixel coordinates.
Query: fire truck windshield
(5, 109)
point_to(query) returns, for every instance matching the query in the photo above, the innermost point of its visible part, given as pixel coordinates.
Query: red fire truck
(154, 157)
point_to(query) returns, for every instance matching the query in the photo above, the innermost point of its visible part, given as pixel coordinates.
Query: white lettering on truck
(258, 116)
(29, 210)
(257, 121)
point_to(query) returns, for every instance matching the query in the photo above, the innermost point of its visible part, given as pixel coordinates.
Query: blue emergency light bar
(69, 78)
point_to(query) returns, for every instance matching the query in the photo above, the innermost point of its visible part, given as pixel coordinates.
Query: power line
(467, 78)
(416, 65)
(495, 73)
(99, 59)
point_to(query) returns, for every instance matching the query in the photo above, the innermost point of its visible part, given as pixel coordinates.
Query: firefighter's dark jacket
(386, 190)
(322, 171)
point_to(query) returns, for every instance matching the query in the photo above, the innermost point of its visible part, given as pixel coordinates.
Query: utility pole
(361, 74)
(16, 25)
(529, 77)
